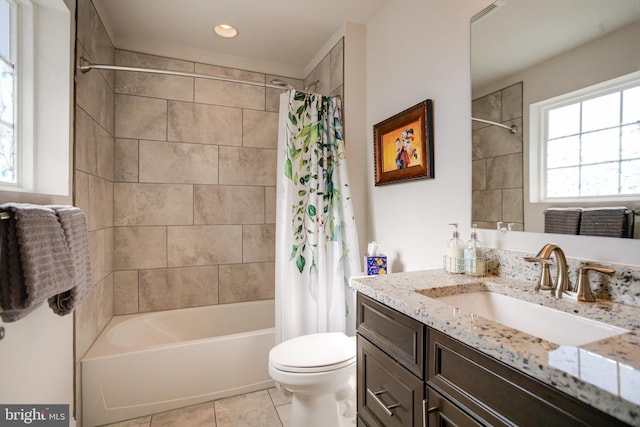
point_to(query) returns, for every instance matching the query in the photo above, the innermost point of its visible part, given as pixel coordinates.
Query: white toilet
(320, 371)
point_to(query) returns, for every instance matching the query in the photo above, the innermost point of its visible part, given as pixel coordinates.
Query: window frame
(45, 57)
(14, 59)
(538, 131)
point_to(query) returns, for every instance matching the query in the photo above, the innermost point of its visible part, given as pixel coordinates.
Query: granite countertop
(604, 374)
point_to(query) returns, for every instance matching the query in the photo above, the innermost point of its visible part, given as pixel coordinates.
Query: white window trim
(43, 74)
(14, 59)
(538, 132)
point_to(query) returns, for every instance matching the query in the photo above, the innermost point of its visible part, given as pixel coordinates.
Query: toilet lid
(314, 353)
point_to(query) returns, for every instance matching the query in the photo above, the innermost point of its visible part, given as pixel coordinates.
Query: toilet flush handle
(387, 408)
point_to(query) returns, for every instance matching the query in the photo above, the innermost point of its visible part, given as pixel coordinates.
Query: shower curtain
(316, 238)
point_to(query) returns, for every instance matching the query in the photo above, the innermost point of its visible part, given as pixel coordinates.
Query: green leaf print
(300, 263)
(314, 150)
(287, 168)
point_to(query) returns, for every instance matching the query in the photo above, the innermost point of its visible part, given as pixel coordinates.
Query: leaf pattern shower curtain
(316, 238)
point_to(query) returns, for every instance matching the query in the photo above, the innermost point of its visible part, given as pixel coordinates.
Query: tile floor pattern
(265, 408)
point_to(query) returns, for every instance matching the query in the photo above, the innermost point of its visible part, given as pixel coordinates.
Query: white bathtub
(147, 363)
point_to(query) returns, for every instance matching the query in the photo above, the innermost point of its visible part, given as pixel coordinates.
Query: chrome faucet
(562, 275)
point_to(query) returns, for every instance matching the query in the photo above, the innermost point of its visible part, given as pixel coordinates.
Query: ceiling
(519, 34)
(283, 37)
(275, 36)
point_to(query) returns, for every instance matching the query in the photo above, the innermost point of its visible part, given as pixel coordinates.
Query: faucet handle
(583, 287)
(544, 282)
(604, 270)
(536, 259)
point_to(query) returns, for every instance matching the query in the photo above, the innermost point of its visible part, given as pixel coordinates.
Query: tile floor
(265, 408)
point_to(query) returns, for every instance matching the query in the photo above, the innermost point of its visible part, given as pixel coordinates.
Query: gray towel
(37, 262)
(562, 220)
(74, 226)
(608, 222)
(11, 278)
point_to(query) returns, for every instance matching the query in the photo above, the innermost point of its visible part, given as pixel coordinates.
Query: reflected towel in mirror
(562, 220)
(608, 222)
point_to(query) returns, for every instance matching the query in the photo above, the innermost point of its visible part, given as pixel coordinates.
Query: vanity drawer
(388, 395)
(397, 334)
(443, 413)
(497, 394)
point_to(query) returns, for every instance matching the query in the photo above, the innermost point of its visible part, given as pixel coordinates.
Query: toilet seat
(314, 353)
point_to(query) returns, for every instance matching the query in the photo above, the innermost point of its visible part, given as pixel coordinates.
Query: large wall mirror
(529, 59)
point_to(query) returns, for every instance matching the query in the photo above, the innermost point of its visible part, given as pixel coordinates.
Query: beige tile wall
(178, 177)
(329, 72)
(93, 177)
(497, 168)
(93, 171)
(194, 192)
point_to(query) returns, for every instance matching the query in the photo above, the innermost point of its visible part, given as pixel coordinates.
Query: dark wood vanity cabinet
(390, 366)
(411, 375)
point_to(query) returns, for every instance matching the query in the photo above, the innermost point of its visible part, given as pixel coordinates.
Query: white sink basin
(549, 324)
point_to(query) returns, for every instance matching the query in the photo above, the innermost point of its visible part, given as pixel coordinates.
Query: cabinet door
(443, 413)
(388, 394)
(395, 333)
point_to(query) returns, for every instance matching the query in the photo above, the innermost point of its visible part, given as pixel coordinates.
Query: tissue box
(376, 264)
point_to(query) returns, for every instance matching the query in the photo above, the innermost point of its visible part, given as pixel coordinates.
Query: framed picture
(403, 145)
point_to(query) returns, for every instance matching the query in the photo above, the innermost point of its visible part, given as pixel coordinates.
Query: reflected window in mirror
(548, 49)
(588, 143)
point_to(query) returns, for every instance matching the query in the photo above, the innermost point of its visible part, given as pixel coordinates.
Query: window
(7, 92)
(587, 143)
(36, 41)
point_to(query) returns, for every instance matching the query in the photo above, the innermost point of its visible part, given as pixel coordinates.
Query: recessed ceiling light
(224, 30)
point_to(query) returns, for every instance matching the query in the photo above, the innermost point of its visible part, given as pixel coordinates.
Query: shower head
(278, 82)
(281, 83)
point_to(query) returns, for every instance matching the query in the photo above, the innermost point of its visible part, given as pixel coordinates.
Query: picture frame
(403, 145)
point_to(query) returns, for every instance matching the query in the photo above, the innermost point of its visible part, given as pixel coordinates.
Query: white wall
(37, 359)
(418, 49)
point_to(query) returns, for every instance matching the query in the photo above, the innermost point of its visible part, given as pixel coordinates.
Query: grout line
(138, 145)
(138, 288)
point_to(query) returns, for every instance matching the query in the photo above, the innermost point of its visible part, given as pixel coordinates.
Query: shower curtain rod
(512, 129)
(86, 66)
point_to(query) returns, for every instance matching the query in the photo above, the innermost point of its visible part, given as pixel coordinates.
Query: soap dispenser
(474, 262)
(454, 258)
